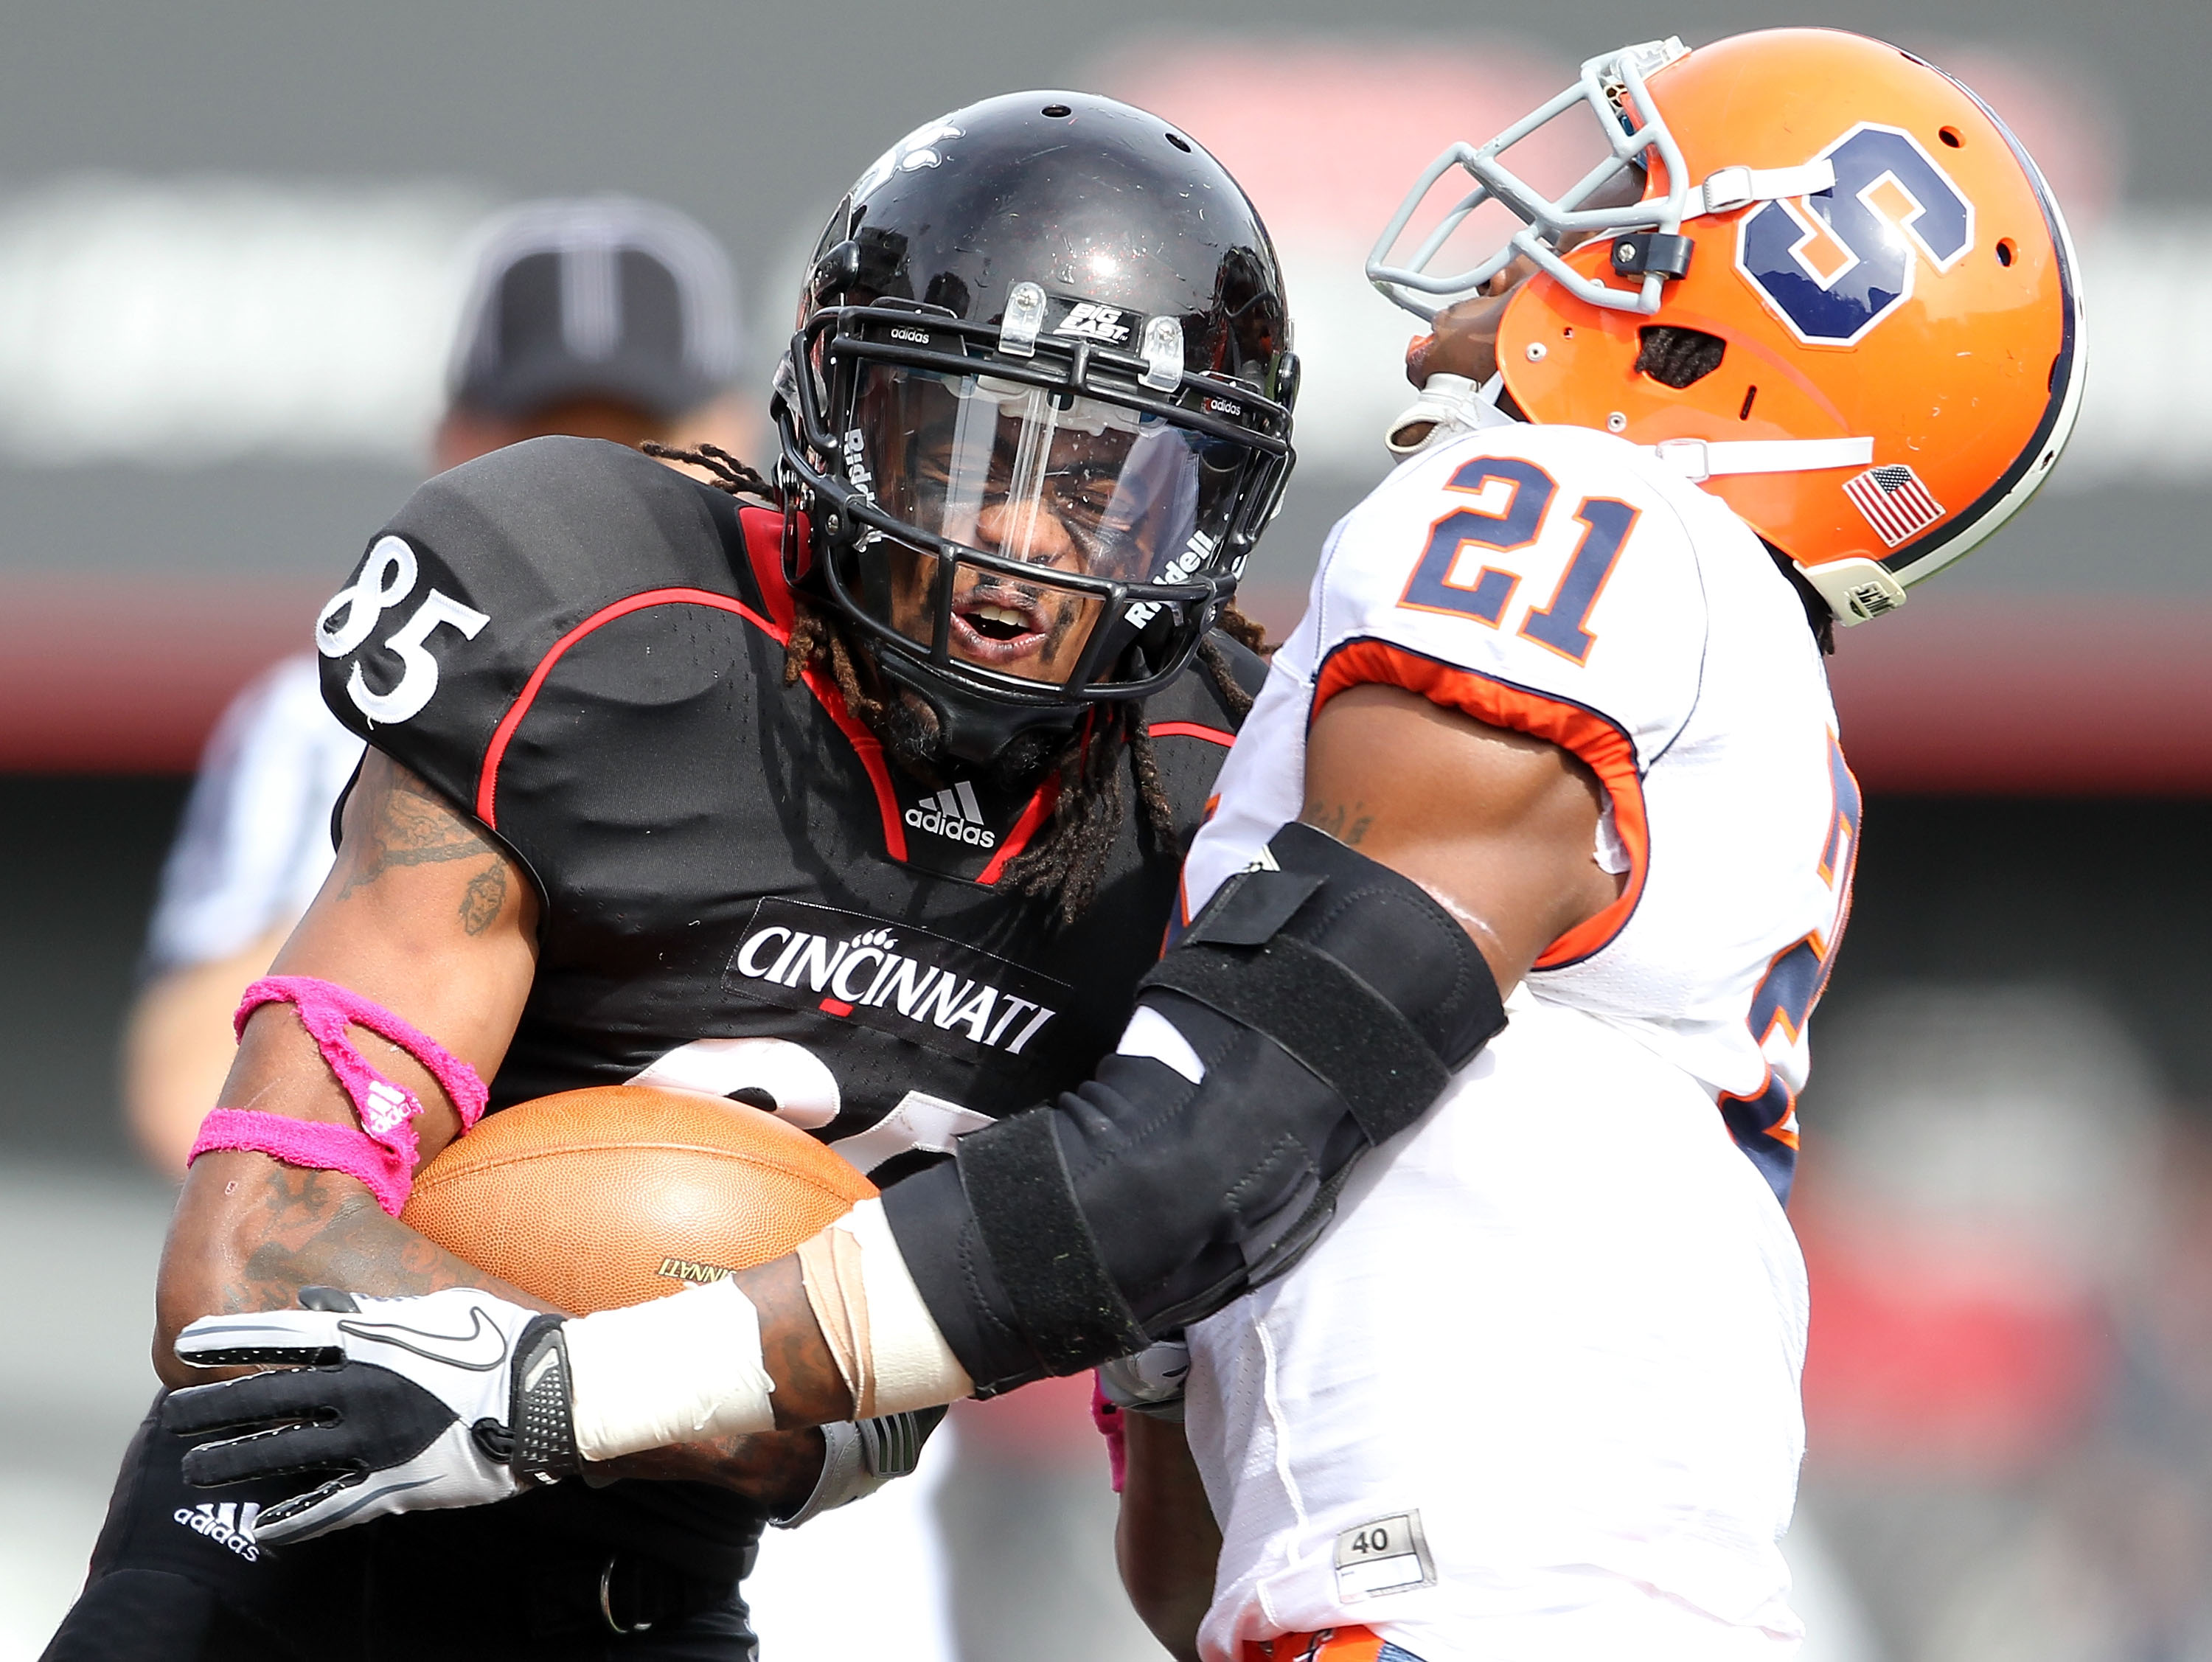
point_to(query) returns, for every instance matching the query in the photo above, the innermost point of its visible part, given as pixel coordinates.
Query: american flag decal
(1896, 504)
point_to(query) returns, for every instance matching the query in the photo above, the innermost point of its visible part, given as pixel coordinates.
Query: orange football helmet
(1888, 277)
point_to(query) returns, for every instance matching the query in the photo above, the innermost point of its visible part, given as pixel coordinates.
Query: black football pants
(175, 1578)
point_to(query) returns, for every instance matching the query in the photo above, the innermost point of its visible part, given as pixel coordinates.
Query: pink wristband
(312, 1144)
(382, 1154)
(1107, 1417)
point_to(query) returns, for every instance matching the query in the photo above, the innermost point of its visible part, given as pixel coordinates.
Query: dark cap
(607, 297)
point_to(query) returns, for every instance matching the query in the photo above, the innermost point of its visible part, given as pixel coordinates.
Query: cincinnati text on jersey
(922, 987)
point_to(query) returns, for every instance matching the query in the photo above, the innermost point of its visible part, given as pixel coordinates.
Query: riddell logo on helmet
(955, 813)
(1202, 548)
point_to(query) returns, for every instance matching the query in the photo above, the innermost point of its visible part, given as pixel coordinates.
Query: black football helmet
(1037, 409)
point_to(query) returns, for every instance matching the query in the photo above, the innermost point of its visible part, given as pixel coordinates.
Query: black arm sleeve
(1328, 999)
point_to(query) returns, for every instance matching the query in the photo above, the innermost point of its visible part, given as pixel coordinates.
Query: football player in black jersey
(1017, 490)
(866, 809)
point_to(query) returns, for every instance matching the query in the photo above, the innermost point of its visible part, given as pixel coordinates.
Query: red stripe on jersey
(1327, 1644)
(1024, 828)
(763, 534)
(1601, 745)
(487, 775)
(1191, 730)
(869, 749)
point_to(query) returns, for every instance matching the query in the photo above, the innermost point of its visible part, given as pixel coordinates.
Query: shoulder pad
(462, 595)
(1523, 563)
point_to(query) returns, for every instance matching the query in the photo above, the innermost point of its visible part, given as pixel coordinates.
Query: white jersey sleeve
(255, 843)
(1564, 583)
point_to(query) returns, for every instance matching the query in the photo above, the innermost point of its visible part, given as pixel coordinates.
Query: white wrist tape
(672, 1371)
(888, 1349)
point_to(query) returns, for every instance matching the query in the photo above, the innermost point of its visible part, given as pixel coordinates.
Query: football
(612, 1195)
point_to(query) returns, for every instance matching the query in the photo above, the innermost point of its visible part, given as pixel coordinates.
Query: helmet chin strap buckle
(1448, 406)
(1162, 351)
(1855, 588)
(1024, 318)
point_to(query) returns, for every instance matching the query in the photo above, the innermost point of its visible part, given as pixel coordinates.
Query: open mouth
(998, 626)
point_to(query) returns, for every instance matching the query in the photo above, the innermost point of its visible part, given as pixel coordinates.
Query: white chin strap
(1712, 459)
(1730, 188)
(1855, 588)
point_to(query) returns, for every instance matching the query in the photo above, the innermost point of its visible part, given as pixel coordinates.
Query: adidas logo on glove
(953, 812)
(228, 1522)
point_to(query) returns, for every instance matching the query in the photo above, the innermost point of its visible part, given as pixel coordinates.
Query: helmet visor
(1067, 493)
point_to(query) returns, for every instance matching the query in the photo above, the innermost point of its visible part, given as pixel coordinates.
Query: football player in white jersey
(1534, 1392)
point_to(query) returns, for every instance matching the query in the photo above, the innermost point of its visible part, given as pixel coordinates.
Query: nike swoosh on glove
(1150, 1382)
(404, 1404)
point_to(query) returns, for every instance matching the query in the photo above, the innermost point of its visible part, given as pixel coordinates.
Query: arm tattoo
(409, 825)
(1347, 825)
(482, 902)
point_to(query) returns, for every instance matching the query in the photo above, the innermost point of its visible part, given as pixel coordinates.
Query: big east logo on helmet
(1834, 269)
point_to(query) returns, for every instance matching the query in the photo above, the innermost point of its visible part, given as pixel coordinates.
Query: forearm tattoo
(308, 1228)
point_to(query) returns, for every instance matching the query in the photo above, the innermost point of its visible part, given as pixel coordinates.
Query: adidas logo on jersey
(228, 1524)
(956, 814)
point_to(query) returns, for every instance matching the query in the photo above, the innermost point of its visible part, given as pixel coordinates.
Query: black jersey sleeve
(475, 583)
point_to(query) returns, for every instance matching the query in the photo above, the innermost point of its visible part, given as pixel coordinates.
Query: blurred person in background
(602, 317)
(2007, 1393)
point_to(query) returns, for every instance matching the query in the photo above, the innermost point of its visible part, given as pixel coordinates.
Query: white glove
(407, 1405)
(1150, 1382)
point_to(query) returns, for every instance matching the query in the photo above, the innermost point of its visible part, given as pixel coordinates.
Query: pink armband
(382, 1153)
(1108, 1418)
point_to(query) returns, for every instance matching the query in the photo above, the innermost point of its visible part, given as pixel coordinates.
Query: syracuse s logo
(1834, 264)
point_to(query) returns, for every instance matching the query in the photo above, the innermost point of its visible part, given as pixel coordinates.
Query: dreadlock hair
(1069, 857)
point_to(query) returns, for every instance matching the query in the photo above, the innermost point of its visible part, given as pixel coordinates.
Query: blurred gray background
(228, 233)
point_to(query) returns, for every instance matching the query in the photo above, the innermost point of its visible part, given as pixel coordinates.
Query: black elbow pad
(1328, 1000)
